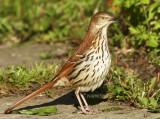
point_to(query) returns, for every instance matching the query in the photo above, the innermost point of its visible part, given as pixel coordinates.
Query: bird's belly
(97, 74)
(90, 72)
(91, 88)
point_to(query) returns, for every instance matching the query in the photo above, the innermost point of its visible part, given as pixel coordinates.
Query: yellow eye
(102, 17)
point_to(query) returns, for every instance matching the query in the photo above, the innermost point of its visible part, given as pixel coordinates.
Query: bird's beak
(115, 20)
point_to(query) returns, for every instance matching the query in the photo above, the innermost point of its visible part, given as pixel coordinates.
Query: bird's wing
(69, 65)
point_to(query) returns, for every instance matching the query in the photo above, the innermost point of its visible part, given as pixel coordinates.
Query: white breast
(100, 63)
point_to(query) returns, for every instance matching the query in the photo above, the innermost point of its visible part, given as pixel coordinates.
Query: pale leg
(79, 100)
(85, 102)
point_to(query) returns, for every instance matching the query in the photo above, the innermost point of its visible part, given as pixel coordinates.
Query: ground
(67, 103)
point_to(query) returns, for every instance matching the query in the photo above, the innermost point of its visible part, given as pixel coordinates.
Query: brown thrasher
(87, 68)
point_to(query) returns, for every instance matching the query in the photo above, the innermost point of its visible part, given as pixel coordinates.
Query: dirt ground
(31, 53)
(66, 104)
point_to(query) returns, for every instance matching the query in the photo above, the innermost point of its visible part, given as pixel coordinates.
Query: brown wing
(67, 67)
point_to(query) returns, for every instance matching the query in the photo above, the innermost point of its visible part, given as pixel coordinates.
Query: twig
(153, 86)
(109, 81)
(133, 85)
(144, 88)
(155, 93)
(157, 81)
(126, 22)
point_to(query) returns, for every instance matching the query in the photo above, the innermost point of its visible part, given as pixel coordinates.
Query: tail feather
(30, 96)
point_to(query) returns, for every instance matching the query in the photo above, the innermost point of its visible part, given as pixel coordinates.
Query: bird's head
(102, 19)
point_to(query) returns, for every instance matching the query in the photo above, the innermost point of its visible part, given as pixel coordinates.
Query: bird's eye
(102, 17)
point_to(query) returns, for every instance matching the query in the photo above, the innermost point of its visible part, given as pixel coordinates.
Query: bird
(87, 68)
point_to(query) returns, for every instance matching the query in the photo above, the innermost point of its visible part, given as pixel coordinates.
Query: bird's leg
(87, 107)
(79, 100)
(85, 102)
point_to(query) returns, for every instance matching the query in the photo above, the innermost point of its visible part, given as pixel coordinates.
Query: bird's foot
(94, 111)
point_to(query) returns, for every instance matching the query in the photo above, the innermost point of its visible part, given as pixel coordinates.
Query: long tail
(30, 96)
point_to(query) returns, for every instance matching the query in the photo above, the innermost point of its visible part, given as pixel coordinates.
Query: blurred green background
(45, 21)
(49, 21)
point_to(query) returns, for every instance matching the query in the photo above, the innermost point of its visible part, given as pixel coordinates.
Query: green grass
(128, 87)
(45, 55)
(111, 109)
(23, 77)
